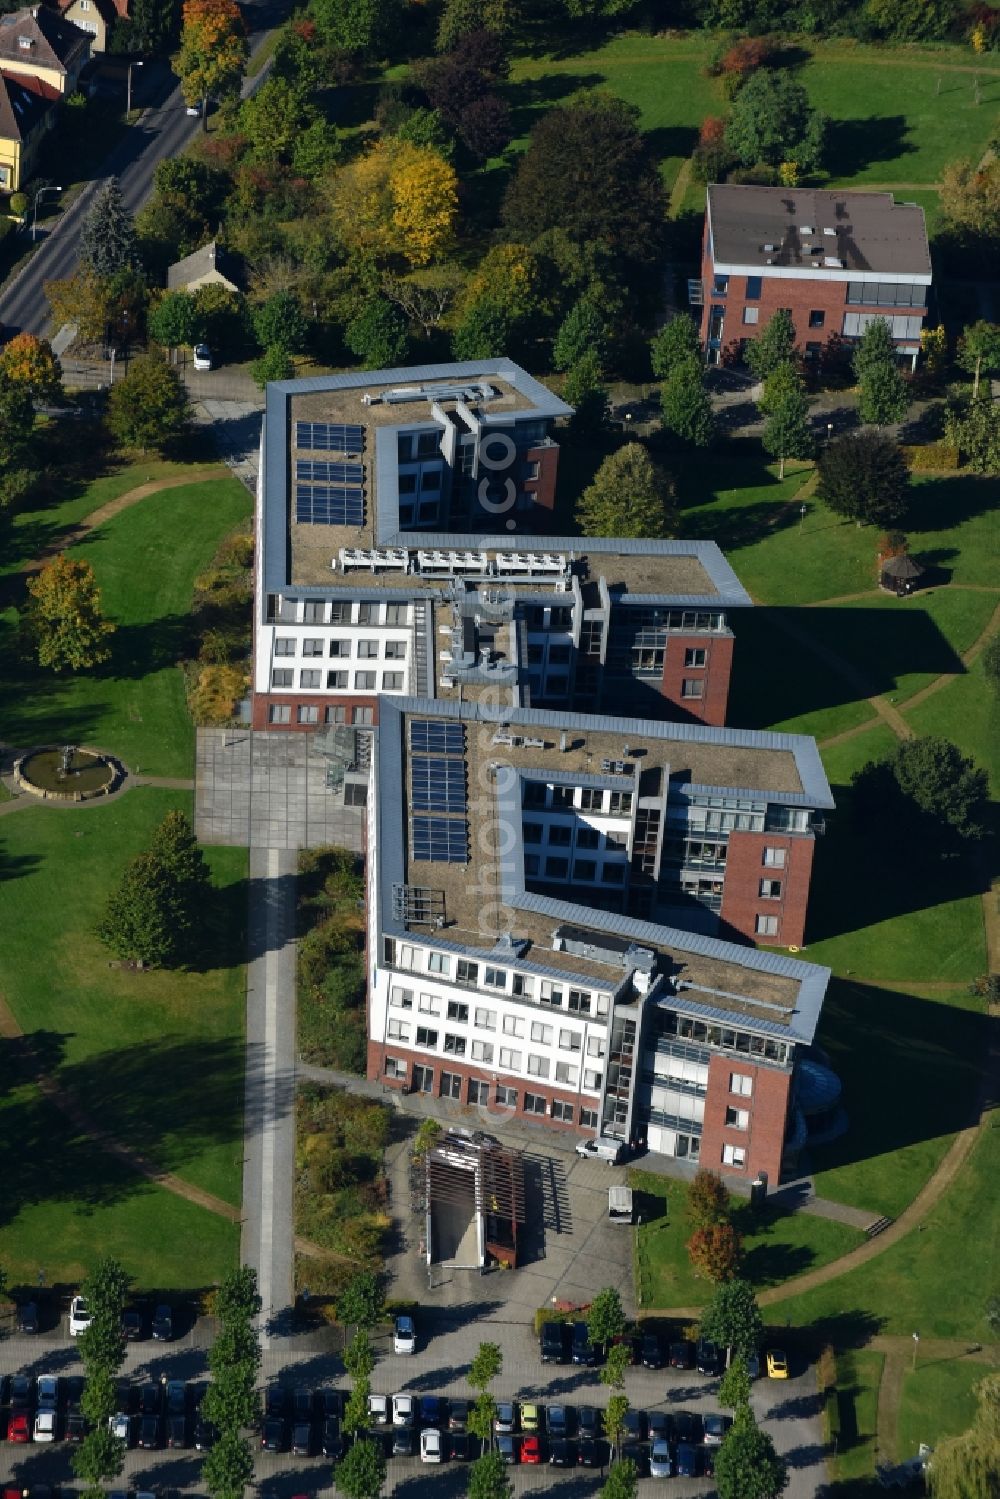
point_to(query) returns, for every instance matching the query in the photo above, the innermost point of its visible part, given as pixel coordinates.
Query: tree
(773, 346)
(63, 622)
(459, 17)
(486, 1366)
(966, 1467)
(786, 428)
(708, 1200)
(361, 1472)
(617, 1360)
(359, 1356)
(677, 340)
(136, 921)
(687, 410)
(882, 394)
(736, 1384)
(107, 235)
(614, 1419)
(482, 1417)
(378, 334)
(280, 323)
(483, 332)
(424, 296)
(100, 1456)
(584, 330)
(273, 118)
(863, 476)
(488, 1478)
(228, 1467)
(397, 200)
(356, 1408)
(149, 406)
(946, 786)
(28, 362)
(970, 204)
(746, 1465)
(991, 671)
(606, 1318)
(979, 351)
(362, 1301)
(105, 1290)
(589, 171)
(363, 27)
(190, 886)
(629, 497)
(100, 1393)
(173, 321)
(772, 121)
(622, 1481)
(732, 1318)
(584, 390)
(975, 430)
(484, 126)
(715, 1251)
(274, 364)
(213, 52)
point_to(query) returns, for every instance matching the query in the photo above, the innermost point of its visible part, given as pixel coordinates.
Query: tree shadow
(950, 502)
(139, 650)
(14, 866)
(671, 140)
(856, 144)
(936, 1049)
(530, 98)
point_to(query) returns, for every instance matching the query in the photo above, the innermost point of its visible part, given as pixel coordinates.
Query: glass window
(733, 1155)
(754, 285)
(341, 648)
(284, 645)
(335, 715)
(478, 1091)
(720, 285)
(774, 858)
(541, 1033)
(455, 1045)
(767, 926)
(395, 650)
(364, 681)
(458, 1011)
(312, 647)
(588, 1118)
(426, 1037)
(282, 676)
(538, 1066)
(395, 1067)
(310, 678)
(400, 998)
(506, 1097)
(279, 713)
(495, 978)
(566, 1073)
(367, 650)
(337, 679)
(695, 656)
(485, 1019)
(396, 614)
(817, 318)
(741, 1083)
(579, 1000)
(562, 1111)
(513, 1026)
(392, 681)
(693, 687)
(397, 1031)
(751, 315)
(511, 1060)
(770, 889)
(570, 1040)
(363, 716)
(308, 713)
(737, 1118)
(534, 1103)
(437, 962)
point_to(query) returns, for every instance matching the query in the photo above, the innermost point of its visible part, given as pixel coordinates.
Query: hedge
(937, 457)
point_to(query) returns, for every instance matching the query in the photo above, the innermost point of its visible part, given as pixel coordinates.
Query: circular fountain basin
(87, 775)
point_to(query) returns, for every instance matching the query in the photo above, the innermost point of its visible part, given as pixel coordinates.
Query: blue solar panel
(437, 785)
(319, 471)
(436, 737)
(440, 840)
(322, 505)
(329, 437)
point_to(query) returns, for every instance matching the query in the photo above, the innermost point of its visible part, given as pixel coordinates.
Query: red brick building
(834, 259)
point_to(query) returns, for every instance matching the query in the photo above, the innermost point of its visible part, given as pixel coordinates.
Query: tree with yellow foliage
(213, 52)
(29, 362)
(398, 200)
(63, 622)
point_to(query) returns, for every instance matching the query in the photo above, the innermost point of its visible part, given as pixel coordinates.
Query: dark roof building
(42, 44)
(24, 103)
(834, 259)
(209, 266)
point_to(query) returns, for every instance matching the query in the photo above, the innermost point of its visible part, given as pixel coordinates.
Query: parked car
(133, 1325)
(626, 1340)
(79, 1316)
(687, 1426)
(403, 1439)
(562, 1453)
(27, 1319)
(45, 1424)
(591, 1453)
(660, 1424)
(163, 1324)
(753, 1365)
(404, 1410)
(331, 1440)
(638, 1453)
(589, 1421)
(404, 1337)
(205, 1435)
(458, 1414)
(274, 1434)
(21, 1394)
(433, 1410)
(777, 1364)
(464, 1446)
(150, 1399)
(532, 1416)
(76, 1424)
(431, 1445)
(330, 1403)
(584, 1351)
(507, 1447)
(715, 1428)
(505, 1420)
(302, 1438)
(708, 1359)
(302, 1405)
(689, 1460)
(601, 1150)
(378, 1410)
(150, 1433)
(560, 1420)
(275, 1400)
(122, 1426)
(661, 1459)
(652, 1351)
(553, 1343)
(634, 1426)
(19, 1427)
(47, 1392)
(177, 1432)
(682, 1354)
(202, 355)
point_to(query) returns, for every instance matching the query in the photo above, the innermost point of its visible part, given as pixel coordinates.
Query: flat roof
(304, 556)
(484, 899)
(823, 232)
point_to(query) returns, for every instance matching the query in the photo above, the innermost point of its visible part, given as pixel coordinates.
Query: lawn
(968, 712)
(938, 1401)
(64, 1204)
(859, 1372)
(935, 1280)
(157, 1057)
(777, 1244)
(935, 1044)
(146, 559)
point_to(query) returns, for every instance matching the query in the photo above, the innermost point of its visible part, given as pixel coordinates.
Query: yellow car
(777, 1364)
(531, 1418)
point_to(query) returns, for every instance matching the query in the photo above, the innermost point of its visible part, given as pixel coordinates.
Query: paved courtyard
(259, 790)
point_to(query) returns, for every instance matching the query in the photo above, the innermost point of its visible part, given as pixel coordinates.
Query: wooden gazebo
(900, 575)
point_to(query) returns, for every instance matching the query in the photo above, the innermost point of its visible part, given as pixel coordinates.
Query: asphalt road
(163, 130)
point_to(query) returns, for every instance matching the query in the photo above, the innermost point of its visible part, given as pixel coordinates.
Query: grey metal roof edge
(684, 1004)
(392, 864)
(274, 527)
(807, 760)
(620, 596)
(573, 778)
(785, 798)
(358, 592)
(546, 403)
(490, 955)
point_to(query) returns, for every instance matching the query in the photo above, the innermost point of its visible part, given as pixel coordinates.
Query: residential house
(209, 266)
(39, 43)
(96, 17)
(27, 112)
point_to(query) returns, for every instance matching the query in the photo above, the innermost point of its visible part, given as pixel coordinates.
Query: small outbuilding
(900, 575)
(209, 266)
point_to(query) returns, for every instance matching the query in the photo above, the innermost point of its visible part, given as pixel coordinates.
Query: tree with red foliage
(715, 1252)
(707, 1200)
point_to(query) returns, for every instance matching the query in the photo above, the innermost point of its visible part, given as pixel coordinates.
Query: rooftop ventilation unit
(831, 232)
(806, 229)
(834, 262)
(770, 249)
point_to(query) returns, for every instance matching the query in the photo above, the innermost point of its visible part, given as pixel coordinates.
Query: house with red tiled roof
(27, 111)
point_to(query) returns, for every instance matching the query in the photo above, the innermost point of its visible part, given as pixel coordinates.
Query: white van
(601, 1149)
(620, 1204)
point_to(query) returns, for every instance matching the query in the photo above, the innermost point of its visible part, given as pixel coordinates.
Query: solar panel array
(440, 840)
(436, 737)
(329, 437)
(437, 785)
(327, 505)
(319, 471)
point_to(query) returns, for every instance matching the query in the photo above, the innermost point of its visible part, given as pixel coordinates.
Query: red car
(531, 1449)
(19, 1429)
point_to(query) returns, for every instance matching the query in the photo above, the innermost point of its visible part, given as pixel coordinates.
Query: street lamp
(34, 217)
(128, 92)
(802, 514)
(829, 431)
(916, 1345)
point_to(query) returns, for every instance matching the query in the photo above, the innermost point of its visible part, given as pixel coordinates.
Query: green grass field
(938, 1401)
(146, 560)
(859, 1372)
(776, 1244)
(157, 1057)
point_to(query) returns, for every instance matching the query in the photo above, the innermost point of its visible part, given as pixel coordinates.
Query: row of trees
(230, 1401)
(101, 1455)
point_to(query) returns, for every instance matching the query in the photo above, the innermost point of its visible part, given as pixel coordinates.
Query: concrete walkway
(269, 1120)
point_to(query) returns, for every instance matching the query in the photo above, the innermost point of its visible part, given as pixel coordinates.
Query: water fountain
(69, 773)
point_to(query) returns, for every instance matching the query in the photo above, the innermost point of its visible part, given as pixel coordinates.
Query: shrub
(936, 457)
(216, 690)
